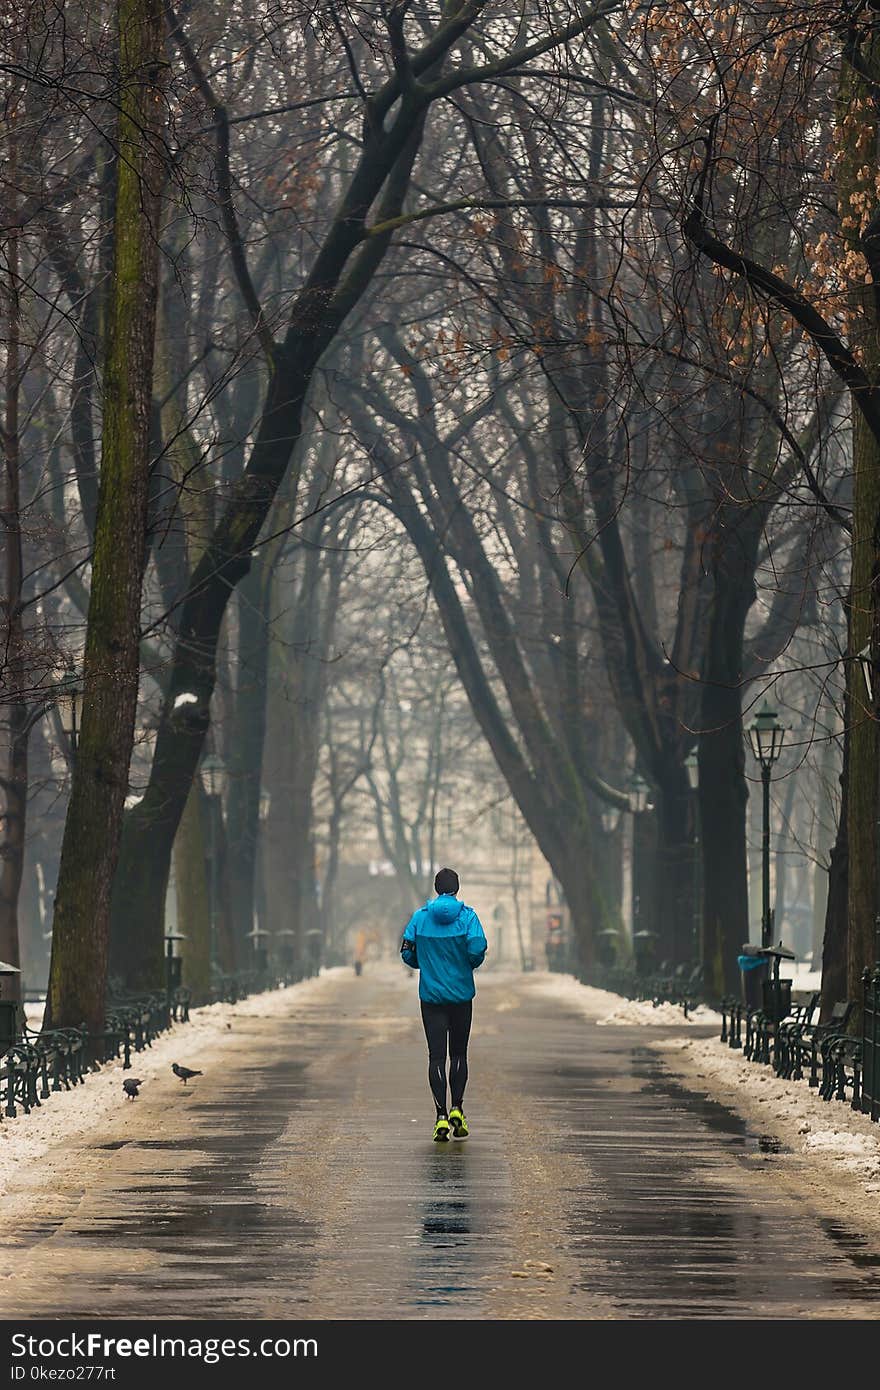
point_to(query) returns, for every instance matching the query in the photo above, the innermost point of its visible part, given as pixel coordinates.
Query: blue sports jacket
(445, 942)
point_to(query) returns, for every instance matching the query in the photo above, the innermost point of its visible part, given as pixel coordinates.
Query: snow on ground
(829, 1131)
(800, 974)
(604, 1008)
(69, 1114)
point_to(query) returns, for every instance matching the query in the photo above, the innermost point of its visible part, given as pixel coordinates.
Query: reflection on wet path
(300, 1180)
(685, 1219)
(200, 1215)
(446, 1255)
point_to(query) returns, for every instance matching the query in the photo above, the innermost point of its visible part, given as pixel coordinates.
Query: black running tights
(447, 1024)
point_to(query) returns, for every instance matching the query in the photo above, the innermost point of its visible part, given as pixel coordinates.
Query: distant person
(445, 942)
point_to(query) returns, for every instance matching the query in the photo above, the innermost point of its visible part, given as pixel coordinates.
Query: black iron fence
(666, 983)
(38, 1063)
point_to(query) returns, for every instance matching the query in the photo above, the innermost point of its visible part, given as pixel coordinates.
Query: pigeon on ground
(130, 1086)
(183, 1072)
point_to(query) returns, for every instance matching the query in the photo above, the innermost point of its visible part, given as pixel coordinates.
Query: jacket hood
(445, 908)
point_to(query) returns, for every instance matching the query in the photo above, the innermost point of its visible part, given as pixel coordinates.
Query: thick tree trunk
(826, 832)
(857, 130)
(193, 899)
(246, 747)
(780, 861)
(834, 946)
(14, 780)
(78, 971)
(232, 951)
(862, 745)
(320, 309)
(722, 787)
(645, 914)
(14, 675)
(674, 872)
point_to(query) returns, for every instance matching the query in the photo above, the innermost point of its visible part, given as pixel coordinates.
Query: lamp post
(608, 940)
(173, 965)
(258, 936)
(213, 775)
(766, 735)
(693, 772)
(643, 938)
(70, 702)
(8, 1010)
(640, 795)
(287, 936)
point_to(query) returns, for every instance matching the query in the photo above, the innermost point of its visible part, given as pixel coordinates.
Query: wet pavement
(299, 1180)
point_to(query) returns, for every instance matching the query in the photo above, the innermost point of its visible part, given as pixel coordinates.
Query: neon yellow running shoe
(441, 1130)
(459, 1123)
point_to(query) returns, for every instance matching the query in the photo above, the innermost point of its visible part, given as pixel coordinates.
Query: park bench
(756, 1043)
(808, 1042)
(803, 1006)
(842, 1068)
(131, 1024)
(650, 984)
(29, 1063)
(730, 1007)
(681, 984)
(691, 988)
(225, 989)
(18, 1075)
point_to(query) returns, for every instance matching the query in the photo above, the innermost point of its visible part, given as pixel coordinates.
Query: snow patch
(66, 1115)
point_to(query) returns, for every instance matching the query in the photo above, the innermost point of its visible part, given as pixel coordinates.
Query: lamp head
(640, 794)
(213, 774)
(766, 735)
(866, 662)
(693, 770)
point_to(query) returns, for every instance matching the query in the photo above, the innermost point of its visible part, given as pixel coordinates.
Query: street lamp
(639, 795)
(8, 1010)
(173, 964)
(287, 937)
(766, 735)
(692, 766)
(70, 703)
(261, 953)
(866, 662)
(213, 775)
(643, 939)
(693, 771)
(611, 818)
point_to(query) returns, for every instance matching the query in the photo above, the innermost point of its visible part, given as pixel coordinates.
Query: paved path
(300, 1181)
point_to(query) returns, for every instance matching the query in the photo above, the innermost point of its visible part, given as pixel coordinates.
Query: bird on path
(183, 1072)
(130, 1086)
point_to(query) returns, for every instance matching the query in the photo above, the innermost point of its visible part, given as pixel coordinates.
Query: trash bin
(606, 946)
(776, 999)
(755, 970)
(644, 947)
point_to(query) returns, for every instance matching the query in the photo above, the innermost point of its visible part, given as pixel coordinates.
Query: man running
(445, 942)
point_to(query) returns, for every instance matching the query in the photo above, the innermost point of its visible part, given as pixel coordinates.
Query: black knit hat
(446, 881)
